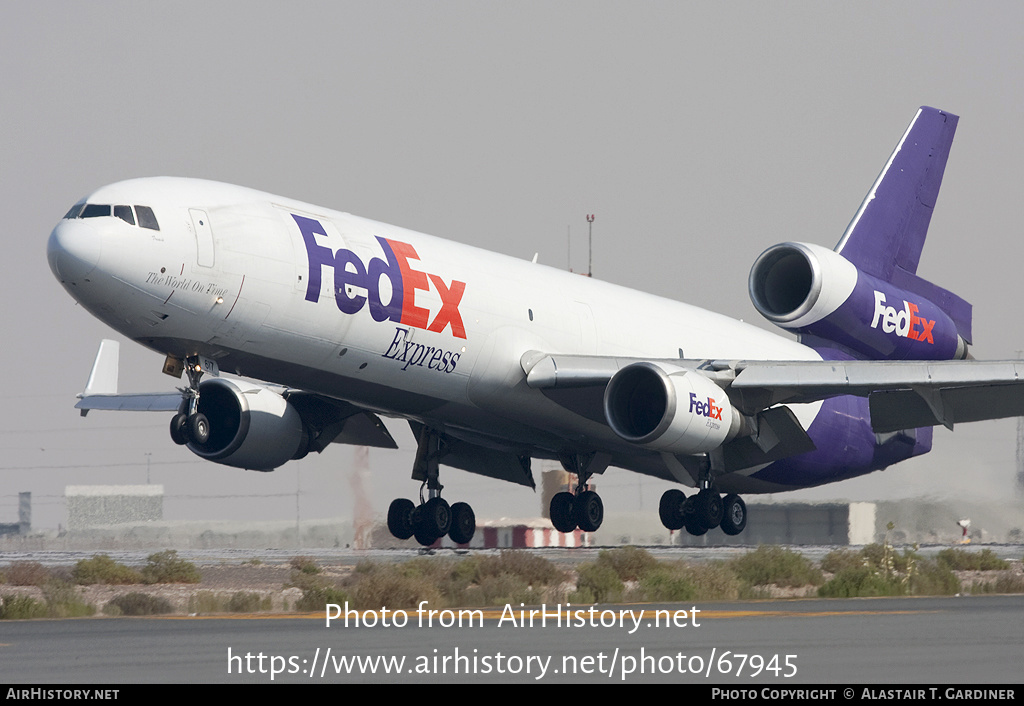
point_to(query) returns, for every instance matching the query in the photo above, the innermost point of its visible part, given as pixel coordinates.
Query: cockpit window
(125, 214)
(95, 210)
(146, 217)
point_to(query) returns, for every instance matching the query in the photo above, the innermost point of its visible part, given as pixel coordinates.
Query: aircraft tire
(709, 508)
(561, 512)
(692, 516)
(463, 523)
(400, 518)
(734, 517)
(178, 429)
(588, 511)
(437, 515)
(198, 427)
(670, 509)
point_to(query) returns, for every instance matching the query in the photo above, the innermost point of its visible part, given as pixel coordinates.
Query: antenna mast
(590, 245)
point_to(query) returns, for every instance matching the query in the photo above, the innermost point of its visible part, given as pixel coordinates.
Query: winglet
(103, 378)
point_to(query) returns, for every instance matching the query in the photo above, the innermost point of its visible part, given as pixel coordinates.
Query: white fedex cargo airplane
(330, 322)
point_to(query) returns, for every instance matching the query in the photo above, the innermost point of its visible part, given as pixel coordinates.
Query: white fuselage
(228, 276)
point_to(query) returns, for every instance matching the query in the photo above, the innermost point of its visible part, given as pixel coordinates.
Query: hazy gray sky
(698, 133)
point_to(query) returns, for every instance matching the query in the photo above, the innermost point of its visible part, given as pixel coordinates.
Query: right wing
(901, 394)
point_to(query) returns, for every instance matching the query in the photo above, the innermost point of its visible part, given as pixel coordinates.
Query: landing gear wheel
(432, 520)
(178, 429)
(694, 527)
(561, 512)
(400, 518)
(734, 519)
(198, 429)
(424, 534)
(693, 521)
(709, 508)
(463, 523)
(670, 509)
(588, 510)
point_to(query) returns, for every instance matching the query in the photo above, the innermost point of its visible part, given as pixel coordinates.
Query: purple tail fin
(886, 236)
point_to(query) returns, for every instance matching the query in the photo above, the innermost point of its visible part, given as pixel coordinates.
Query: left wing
(326, 420)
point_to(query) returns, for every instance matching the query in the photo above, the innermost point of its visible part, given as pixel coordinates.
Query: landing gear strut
(581, 508)
(433, 518)
(190, 425)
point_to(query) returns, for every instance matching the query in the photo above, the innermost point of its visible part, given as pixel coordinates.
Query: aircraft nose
(73, 250)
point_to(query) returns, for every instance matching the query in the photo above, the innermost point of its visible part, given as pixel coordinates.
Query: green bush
(930, 578)
(714, 581)
(248, 602)
(882, 557)
(861, 581)
(305, 565)
(666, 584)
(770, 564)
(921, 577)
(963, 560)
(101, 569)
(206, 602)
(836, 561)
(316, 599)
(398, 586)
(63, 601)
(166, 567)
(14, 607)
(599, 583)
(137, 603)
(629, 563)
(530, 568)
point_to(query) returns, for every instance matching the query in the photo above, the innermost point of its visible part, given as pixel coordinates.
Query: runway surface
(949, 640)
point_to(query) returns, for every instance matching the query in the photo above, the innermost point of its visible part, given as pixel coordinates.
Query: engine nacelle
(669, 408)
(811, 289)
(250, 426)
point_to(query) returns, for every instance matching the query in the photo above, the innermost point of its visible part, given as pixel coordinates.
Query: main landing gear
(190, 425)
(581, 508)
(703, 511)
(433, 518)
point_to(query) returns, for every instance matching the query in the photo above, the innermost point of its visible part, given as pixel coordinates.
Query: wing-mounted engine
(813, 290)
(251, 426)
(669, 408)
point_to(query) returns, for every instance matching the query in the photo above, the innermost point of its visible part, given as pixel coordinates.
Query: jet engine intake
(251, 426)
(669, 408)
(813, 290)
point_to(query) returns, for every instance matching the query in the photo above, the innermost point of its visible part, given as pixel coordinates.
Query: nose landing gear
(190, 425)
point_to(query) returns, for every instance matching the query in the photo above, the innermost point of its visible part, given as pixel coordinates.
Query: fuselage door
(204, 237)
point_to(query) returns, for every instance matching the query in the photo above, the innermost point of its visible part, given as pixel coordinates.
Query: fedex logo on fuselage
(705, 409)
(405, 281)
(904, 323)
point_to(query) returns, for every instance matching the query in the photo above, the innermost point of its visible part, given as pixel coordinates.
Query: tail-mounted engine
(250, 426)
(810, 289)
